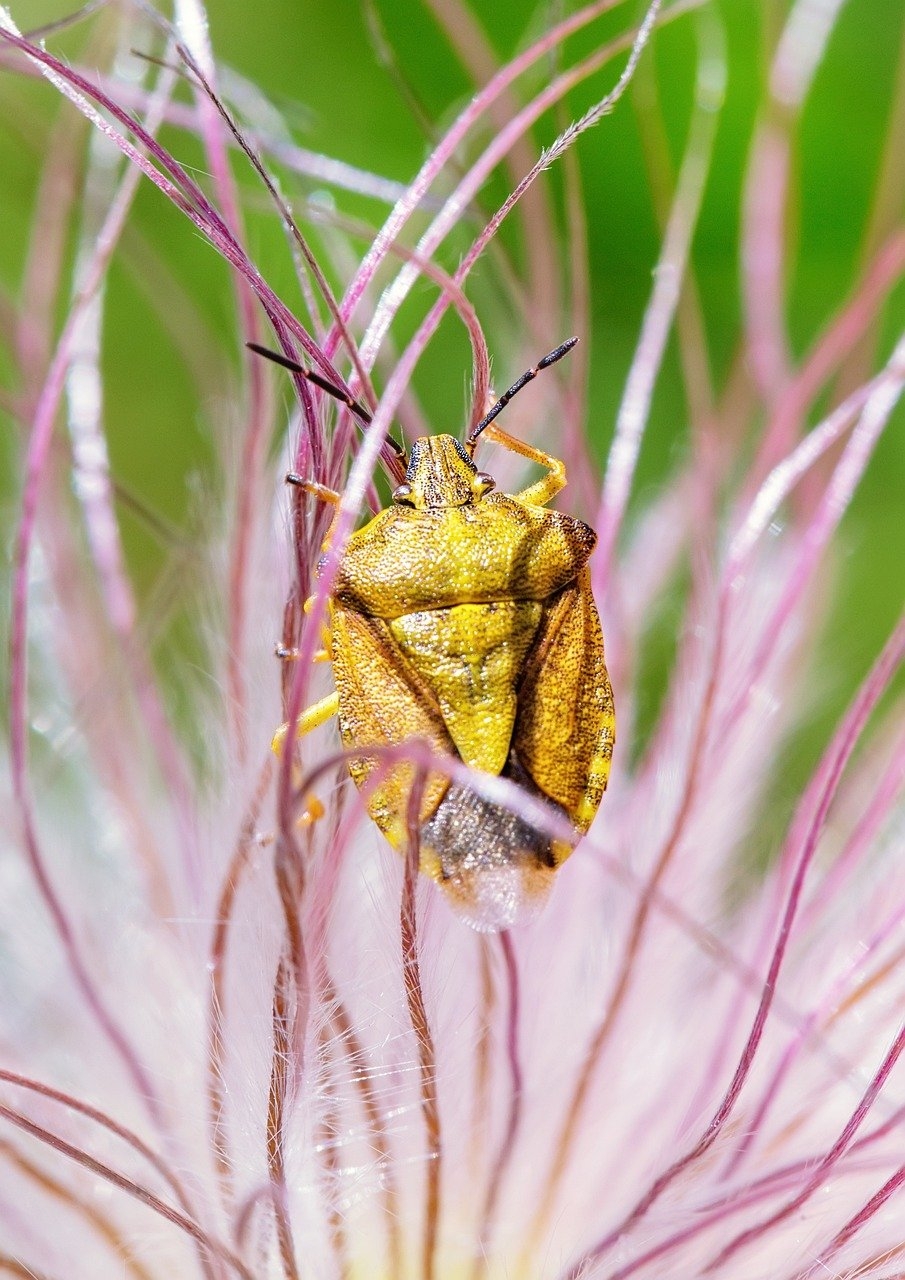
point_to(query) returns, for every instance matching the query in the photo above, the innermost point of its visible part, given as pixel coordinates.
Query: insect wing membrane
(381, 703)
(566, 724)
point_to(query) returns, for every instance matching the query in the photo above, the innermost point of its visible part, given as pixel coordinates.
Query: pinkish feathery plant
(237, 1044)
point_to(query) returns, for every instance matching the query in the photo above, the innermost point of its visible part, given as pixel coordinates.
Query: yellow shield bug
(464, 617)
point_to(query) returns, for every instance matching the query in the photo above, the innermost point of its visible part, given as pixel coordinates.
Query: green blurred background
(316, 61)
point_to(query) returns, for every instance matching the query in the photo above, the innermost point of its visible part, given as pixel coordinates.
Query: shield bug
(464, 617)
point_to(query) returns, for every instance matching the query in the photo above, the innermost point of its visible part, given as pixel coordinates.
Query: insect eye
(485, 482)
(403, 494)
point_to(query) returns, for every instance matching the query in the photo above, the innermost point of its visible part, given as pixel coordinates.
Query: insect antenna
(528, 376)
(354, 406)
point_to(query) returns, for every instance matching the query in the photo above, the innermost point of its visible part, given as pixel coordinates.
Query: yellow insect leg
(292, 655)
(318, 491)
(539, 493)
(288, 653)
(317, 714)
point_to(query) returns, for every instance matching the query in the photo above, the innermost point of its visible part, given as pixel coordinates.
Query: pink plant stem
(658, 319)
(467, 188)
(575, 397)
(705, 1220)
(824, 1167)
(217, 1004)
(100, 1118)
(800, 50)
(824, 1013)
(276, 1114)
(378, 1136)
(97, 1221)
(503, 1161)
(829, 774)
(829, 351)
(34, 328)
(763, 262)
(837, 496)
(327, 1137)
(449, 145)
(858, 1220)
(192, 23)
(869, 826)
(470, 42)
(482, 1059)
(427, 1058)
(650, 562)
(789, 1175)
(798, 55)
(80, 350)
(104, 1171)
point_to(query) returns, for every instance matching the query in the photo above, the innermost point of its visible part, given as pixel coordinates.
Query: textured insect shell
(494, 868)
(462, 591)
(497, 548)
(472, 626)
(566, 726)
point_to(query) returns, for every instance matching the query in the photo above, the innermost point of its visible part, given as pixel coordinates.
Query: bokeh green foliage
(170, 325)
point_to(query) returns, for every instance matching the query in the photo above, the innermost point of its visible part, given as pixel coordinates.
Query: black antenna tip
(528, 376)
(558, 354)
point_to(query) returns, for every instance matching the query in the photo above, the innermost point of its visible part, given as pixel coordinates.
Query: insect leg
(321, 711)
(539, 493)
(311, 486)
(317, 714)
(318, 491)
(291, 654)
